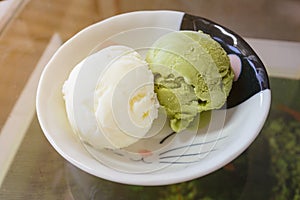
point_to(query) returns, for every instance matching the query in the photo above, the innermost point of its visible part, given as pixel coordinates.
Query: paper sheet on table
(281, 58)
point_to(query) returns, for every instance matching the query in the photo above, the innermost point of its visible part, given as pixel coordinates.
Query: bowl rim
(141, 179)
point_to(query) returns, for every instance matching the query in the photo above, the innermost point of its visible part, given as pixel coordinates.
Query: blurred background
(276, 19)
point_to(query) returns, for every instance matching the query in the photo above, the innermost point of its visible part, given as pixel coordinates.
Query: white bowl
(186, 156)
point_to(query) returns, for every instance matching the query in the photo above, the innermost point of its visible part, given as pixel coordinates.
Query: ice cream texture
(112, 96)
(109, 98)
(192, 74)
(125, 102)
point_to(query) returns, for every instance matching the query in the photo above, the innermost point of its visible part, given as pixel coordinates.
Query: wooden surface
(25, 38)
(7, 11)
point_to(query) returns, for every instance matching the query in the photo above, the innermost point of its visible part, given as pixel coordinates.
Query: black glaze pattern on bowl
(253, 77)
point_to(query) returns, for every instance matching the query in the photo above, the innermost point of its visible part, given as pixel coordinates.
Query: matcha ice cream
(192, 74)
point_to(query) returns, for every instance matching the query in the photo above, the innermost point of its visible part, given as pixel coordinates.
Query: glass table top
(30, 168)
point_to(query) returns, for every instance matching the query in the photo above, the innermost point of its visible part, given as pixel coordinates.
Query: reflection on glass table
(269, 169)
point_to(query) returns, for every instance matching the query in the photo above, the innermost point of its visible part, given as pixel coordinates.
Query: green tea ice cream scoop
(192, 74)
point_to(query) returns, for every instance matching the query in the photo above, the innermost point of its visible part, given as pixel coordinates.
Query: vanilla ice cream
(125, 102)
(110, 99)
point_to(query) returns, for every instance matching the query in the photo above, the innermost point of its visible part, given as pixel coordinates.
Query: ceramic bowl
(165, 158)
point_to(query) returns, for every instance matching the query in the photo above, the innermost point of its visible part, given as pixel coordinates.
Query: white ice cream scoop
(125, 102)
(110, 99)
